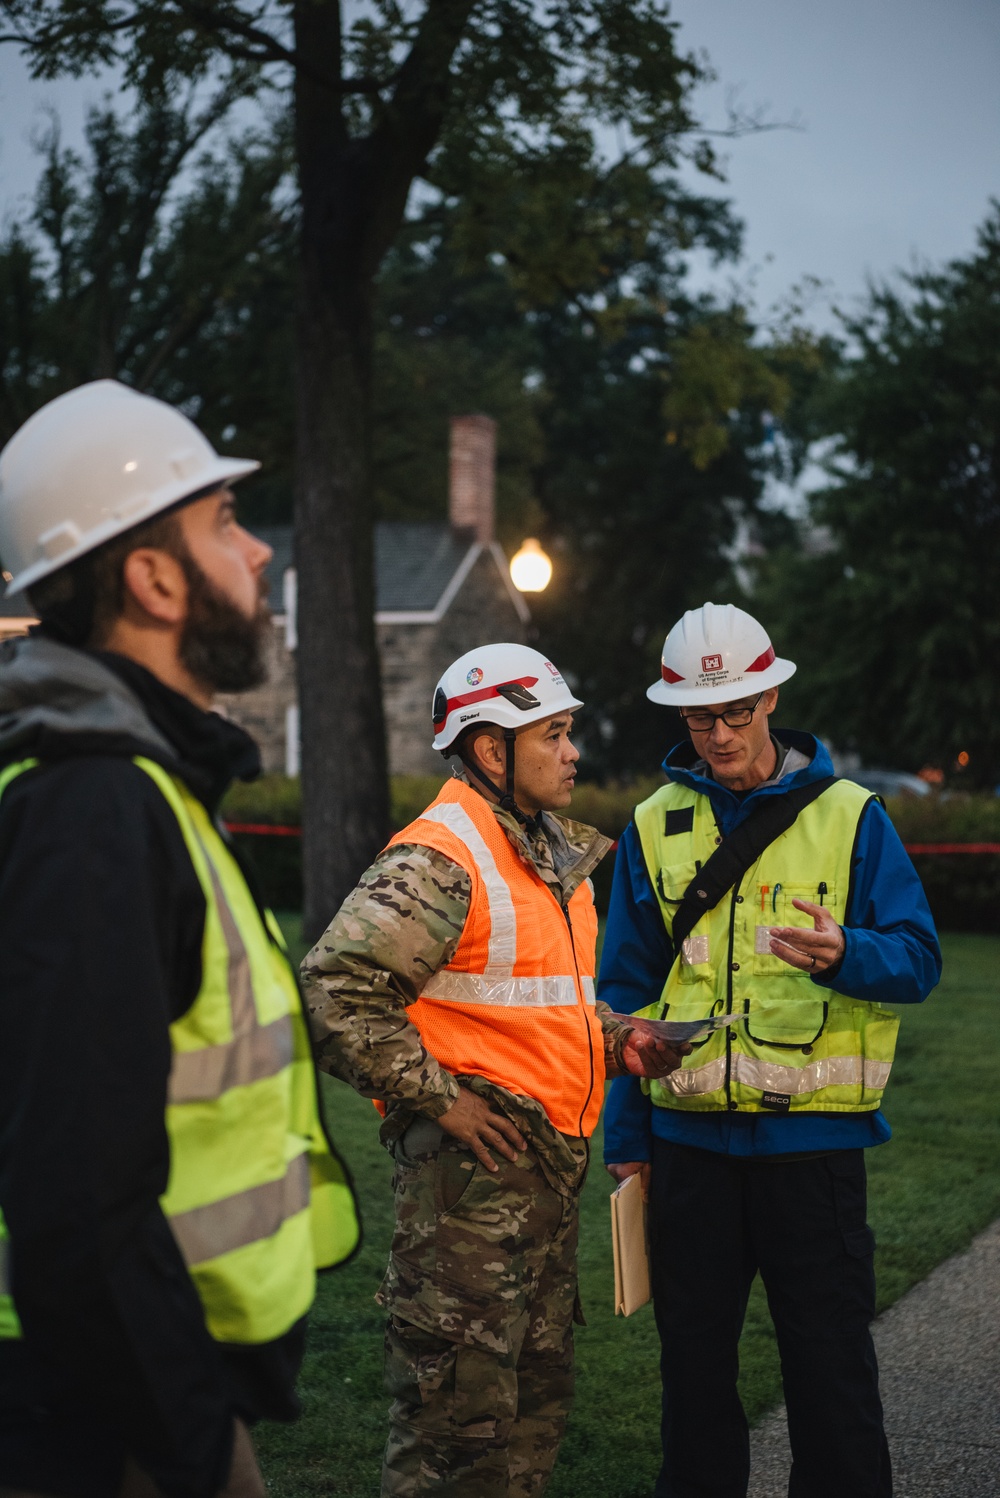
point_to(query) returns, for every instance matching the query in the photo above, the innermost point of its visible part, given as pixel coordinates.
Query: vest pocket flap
(799, 1022)
(435, 1304)
(673, 879)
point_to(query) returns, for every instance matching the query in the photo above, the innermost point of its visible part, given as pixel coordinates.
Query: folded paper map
(694, 1029)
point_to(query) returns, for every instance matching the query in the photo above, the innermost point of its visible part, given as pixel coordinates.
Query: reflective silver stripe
(589, 994)
(476, 988)
(239, 980)
(769, 1076)
(4, 1266)
(256, 1050)
(694, 949)
(200, 1076)
(829, 1071)
(503, 922)
(204, 1233)
(690, 1081)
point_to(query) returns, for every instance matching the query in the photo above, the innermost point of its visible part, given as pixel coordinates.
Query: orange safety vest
(516, 1003)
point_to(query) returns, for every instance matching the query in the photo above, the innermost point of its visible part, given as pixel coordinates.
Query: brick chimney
(472, 476)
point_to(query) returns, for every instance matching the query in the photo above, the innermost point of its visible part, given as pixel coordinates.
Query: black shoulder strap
(737, 852)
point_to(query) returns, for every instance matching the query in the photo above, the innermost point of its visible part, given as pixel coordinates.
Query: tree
(142, 259)
(637, 409)
(376, 103)
(891, 605)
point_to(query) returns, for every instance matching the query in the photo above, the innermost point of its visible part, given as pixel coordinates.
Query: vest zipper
(583, 1011)
(729, 994)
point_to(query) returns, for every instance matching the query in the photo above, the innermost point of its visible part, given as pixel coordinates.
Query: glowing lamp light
(530, 568)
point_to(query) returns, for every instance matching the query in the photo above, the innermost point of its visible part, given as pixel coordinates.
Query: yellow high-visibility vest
(799, 1047)
(256, 1198)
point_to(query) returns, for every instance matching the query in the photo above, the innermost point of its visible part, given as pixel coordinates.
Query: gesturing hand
(810, 951)
(472, 1121)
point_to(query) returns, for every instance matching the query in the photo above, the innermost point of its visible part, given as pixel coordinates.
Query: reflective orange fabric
(516, 1005)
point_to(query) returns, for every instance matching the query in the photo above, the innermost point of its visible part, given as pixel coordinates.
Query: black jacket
(101, 924)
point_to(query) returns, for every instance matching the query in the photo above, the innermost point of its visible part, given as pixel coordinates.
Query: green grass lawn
(932, 1188)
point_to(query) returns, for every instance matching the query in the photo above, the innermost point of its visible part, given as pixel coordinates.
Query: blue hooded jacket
(892, 957)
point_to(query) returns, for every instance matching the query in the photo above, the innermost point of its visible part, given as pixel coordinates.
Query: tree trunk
(344, 774)
(353, 195)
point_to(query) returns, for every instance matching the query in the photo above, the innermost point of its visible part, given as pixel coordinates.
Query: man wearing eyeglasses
(810, 919)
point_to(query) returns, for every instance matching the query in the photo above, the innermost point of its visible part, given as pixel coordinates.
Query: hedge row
(963, 888)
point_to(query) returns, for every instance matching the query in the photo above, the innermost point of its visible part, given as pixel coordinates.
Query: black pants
(714, 1222)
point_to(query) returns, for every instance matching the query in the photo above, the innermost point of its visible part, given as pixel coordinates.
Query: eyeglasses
(733, 717)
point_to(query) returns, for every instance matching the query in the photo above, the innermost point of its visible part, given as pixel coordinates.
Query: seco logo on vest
(800, 1047)
(516, 1003)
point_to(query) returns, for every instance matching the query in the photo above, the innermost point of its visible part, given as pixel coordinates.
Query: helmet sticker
(712, 663)
(474, 677)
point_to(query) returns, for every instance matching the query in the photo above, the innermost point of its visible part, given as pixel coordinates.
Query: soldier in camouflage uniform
(481, 1289)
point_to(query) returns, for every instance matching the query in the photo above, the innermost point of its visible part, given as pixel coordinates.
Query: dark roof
(414, 563)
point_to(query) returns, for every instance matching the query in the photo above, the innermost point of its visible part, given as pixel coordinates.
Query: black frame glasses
(733, 717)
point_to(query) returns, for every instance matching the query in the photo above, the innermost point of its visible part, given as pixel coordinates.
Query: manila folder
(628, 1237)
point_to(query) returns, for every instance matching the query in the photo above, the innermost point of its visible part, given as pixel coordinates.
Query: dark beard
(223, 649)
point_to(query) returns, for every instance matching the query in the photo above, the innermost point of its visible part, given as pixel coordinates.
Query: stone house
(440, 589)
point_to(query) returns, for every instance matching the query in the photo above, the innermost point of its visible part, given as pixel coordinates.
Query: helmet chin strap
(506, 797)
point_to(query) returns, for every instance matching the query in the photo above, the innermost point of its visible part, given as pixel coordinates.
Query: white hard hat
(509, 685)
(91, 464)
(717, 653)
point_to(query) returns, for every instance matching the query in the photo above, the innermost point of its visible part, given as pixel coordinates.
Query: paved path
(939, 1363)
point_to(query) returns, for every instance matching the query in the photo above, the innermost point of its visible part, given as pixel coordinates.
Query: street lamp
(530, 568)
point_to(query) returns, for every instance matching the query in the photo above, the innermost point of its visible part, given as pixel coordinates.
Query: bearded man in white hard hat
(456, 987)
(757, 887)
(167, 1189)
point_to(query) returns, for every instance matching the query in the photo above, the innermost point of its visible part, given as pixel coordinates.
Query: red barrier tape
(263, 829)
(952, 847)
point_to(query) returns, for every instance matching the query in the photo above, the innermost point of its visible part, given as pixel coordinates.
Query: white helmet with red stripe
(717, 653)
(509, 685)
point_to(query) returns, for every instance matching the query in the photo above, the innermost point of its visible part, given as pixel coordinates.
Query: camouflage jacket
(401, 924)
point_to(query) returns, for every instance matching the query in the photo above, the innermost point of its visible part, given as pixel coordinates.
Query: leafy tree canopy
(891, 603)
(629, 411)
(157, 260)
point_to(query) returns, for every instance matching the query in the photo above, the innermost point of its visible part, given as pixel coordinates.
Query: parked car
(890, 782)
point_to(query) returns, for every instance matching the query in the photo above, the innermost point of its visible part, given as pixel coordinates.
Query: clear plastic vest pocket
(698, 963)
(772, 906)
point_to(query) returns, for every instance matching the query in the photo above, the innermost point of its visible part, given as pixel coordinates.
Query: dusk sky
(900, 147)
(898, 154)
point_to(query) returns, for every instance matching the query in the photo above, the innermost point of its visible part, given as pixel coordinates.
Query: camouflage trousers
(481, 1295)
